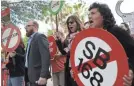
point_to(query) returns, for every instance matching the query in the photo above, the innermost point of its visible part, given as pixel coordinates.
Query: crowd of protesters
(32, 67)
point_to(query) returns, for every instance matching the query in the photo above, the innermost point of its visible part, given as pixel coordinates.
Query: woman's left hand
(128, 79)
(12, 54)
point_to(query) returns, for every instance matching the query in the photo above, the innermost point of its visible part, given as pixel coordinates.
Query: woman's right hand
(58, 36)
(12, 54)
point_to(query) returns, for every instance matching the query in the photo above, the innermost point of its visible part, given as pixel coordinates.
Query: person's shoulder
(116, 30)
(40, 35)
(121, 34)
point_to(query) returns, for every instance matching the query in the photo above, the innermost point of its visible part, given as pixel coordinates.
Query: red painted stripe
(10, 35)
(92, 64)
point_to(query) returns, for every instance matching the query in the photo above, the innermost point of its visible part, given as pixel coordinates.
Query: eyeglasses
(28, 26)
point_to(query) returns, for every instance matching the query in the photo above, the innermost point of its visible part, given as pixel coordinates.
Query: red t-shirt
(58, 64)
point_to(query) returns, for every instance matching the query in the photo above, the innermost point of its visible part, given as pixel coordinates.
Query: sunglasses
(71, 22)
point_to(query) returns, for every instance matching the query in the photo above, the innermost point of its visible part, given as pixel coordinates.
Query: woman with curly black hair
(100, 16)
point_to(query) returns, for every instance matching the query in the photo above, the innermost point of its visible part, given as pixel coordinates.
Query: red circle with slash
(10, 38)
(52, 46)
(117, 65)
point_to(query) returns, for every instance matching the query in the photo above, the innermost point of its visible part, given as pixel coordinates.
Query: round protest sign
(10, 38)
(55, 6)
(98, 59)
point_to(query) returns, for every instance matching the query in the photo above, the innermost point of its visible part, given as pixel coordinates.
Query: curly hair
(108, 18)
(77, 20)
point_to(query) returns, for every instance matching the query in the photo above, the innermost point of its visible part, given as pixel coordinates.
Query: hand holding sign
(128, 79)
(59, 36)
(12, 54)
(97, 58)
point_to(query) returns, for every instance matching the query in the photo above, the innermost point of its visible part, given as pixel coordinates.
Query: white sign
(10, 38)
(55, 6)
(97, 58)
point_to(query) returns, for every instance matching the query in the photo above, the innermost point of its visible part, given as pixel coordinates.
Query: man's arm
(45, 55)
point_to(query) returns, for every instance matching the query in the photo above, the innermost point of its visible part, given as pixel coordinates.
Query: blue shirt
(28, 46)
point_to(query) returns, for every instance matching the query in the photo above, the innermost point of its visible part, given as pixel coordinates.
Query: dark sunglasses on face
(70, 22)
